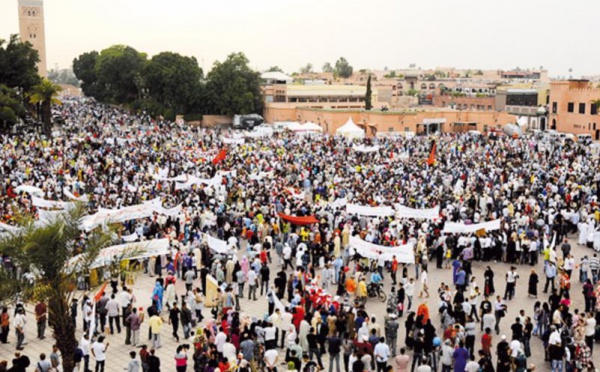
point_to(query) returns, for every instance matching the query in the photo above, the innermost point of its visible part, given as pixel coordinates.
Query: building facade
(31, 29)
(418, 121)
(573, 107)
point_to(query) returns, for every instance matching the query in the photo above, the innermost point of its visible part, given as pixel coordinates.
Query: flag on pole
(431, 159)
(99, 294)
(220, 157)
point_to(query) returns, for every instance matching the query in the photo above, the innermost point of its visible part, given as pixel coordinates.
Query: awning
(308, 220)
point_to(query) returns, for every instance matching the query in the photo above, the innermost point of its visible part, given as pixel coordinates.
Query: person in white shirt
(252, 284)
(84, 345)
(229, 350)
(20, 323)
(472, 365)
(112, 306)
(220, 340)
(590, 330)
(511, 281)
(271, 359)
(409, 289)
(382, 354)
(125, 298)
(99, 352)
(515, 346)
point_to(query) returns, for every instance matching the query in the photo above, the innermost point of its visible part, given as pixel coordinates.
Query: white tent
(350, 130)
(309, 127)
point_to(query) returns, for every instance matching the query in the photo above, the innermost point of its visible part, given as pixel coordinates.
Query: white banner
(363, 148)
(156, 247)
(68, 194)
(403, 253)
(130, 238)
(369, 211)
(218, 245)
(39, 202)
(425, 214)
(461, 228)
(193, 180)
(338, 203)
(31, 190)
(259, 176)
(233, 141)
(134, 212)
(10, 228)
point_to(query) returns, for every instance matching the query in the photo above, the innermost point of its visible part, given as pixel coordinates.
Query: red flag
(431, 159)
(98, 295)
(220, 157)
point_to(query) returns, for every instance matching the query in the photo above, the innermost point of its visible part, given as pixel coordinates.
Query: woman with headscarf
(488, 289)
(533, 282)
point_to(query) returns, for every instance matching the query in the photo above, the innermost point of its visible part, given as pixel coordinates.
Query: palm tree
(43, 254)
(45, 94)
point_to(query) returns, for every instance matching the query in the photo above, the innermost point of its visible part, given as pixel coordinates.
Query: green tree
(233, 87)
(84, 68)
(274, 69)
(11, 107)
(343, 68)
(412, 92)
(18, 64)
(368, 94)
(54, 277)
(172, 80)
(44, 94)
(327, 67)
(306, 69)
(116, 68)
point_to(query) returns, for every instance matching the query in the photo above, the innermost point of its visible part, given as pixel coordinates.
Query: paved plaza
(118, 352)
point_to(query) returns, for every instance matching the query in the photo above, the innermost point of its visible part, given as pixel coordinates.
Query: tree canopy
(343, 68)
(169, 83)
(18, 64)
(233, 87)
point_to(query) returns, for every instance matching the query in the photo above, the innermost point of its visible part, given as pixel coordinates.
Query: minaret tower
(31, 27)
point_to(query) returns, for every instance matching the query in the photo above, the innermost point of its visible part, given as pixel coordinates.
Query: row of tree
(169, 83)
(342, 68)
(22, 90)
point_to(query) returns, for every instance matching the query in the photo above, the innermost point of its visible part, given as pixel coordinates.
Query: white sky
(371, 34)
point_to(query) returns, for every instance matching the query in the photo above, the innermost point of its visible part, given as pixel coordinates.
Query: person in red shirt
(41, 313)
(394, 269)
(486, 342)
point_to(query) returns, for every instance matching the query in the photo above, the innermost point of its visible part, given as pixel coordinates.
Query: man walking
(41, 313)
(112, 307)
(391, 332)
(550, 271)
(19, 323)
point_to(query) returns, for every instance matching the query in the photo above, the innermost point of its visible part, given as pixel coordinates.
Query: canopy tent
(309, 127)
(350, 130)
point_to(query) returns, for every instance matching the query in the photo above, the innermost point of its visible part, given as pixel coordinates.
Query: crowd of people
(316, 286)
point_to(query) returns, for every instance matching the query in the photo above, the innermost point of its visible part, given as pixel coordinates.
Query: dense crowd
(321, 289)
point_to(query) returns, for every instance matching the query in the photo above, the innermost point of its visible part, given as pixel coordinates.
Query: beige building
(573, 107)
(31, 28)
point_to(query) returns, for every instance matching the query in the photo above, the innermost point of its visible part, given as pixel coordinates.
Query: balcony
(522, 110)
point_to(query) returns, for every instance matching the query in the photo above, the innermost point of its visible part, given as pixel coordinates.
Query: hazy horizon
(393, 34)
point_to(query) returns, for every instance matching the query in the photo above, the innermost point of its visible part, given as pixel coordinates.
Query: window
(593, 109)
(490, 107)
(582, 108)
(570, 107)
(554, 107)
(390, 129)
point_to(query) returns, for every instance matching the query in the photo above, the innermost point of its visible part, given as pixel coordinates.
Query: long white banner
(363, 148)
(193, 180)
(31, 190)
(425, 214)
(133, 212)
(369, 211)
(233, 141)
(403, 253)
(39, 202)
(68, 194)
(156, 247)
(461, 228)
